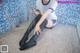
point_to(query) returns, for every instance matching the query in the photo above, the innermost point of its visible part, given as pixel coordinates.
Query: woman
(46, 18)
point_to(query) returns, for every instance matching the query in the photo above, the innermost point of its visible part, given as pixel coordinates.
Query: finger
(35, 32)
(39, 30)
(38, 33)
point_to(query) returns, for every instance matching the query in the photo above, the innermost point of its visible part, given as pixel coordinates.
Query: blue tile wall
(68, 0)
(68, 13)
(12, 12)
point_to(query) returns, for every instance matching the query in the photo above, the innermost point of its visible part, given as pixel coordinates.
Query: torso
(44, 8)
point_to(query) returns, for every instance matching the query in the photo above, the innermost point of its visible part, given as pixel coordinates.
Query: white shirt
(43, 8)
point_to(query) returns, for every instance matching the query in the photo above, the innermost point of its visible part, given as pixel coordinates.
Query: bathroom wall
(68, 0)
(14, 12)
(68, 13)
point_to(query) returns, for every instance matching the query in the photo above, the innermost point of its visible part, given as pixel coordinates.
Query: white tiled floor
(61, 39)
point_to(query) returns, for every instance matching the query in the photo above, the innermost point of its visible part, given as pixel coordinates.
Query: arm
(44, 16)
(37, 27)
(50, 10)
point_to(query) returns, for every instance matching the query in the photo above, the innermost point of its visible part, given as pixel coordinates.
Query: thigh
(52, 16)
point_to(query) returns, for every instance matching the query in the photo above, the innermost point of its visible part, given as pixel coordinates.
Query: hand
(36, 12)
(37, 29)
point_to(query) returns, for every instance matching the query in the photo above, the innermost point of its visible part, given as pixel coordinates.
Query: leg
(51, 24)
(33, 41)
(43, 25)
(52, 21)
(30, 28)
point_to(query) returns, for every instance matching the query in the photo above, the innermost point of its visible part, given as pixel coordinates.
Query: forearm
(44, 16)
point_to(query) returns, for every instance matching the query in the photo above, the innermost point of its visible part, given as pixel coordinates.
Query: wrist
(38, 24)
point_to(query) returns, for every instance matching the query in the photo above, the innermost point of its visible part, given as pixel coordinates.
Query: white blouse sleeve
(39, 6)
(54, 5)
